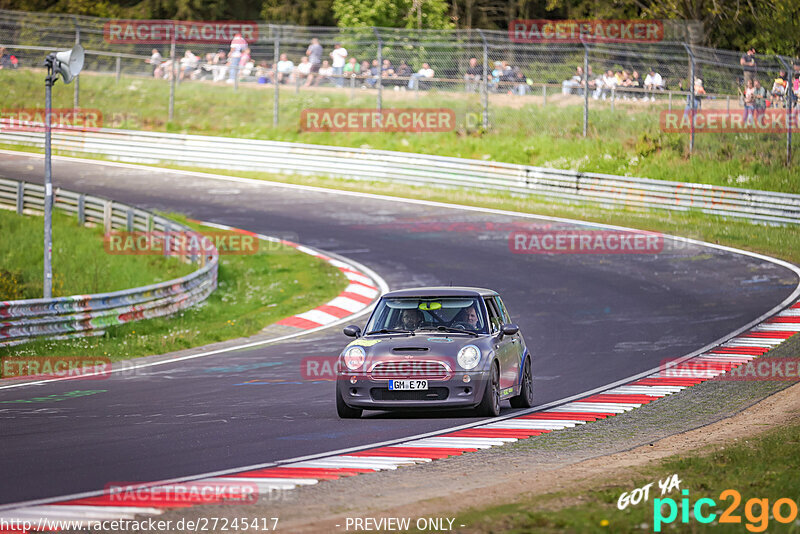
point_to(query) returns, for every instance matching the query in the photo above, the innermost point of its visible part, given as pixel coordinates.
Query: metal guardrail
(419, 169)
(89, 315)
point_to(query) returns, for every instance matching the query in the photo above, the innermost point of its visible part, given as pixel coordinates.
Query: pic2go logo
(756, 511)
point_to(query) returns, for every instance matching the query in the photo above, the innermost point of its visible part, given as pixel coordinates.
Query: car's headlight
(354, 357)
(469, 356)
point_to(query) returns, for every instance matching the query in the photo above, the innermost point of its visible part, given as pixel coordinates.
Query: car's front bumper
(359, 391)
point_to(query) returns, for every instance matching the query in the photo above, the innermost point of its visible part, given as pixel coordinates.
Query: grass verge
(626, 141)
(763, 467)
(254, 291)
(80, 263)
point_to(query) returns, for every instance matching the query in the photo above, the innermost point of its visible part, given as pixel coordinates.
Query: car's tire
(525, 397)
(490, 403)
(343, 410)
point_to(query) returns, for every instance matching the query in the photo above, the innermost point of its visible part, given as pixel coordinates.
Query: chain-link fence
(556, 89)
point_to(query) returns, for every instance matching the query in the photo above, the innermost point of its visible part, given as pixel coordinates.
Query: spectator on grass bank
(238, 43)
(426, 72)
(219, 63)
(473, 76)
(325, 73)
(387, 69)
(637, 85)
(749, 101)
(374, 73)
(352, 68)
(403, 70)
(780, 87)
(760, 99)
(285, 68)
(303, 69)
(233, 64)
(338, 57)
(314, 54)
(523, 84)
(605, 85)
(155, 62)
(653, 82)
(189, 62)
(572, 86)
(748, 63)
(264, 73)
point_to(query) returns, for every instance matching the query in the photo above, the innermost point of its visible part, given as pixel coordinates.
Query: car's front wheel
(343, 410)
(525, 397)
(490, 403)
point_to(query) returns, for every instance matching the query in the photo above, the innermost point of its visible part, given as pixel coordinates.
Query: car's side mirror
(510, 329)
(352, 331)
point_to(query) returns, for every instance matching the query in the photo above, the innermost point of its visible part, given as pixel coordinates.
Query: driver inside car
(410, 320)
(468, 317)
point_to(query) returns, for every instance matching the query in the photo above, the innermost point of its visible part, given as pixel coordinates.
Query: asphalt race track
(589, 320)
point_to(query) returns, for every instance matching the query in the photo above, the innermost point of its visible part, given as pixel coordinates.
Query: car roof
(442, 291)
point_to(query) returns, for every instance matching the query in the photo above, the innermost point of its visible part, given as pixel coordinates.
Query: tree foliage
(771, 26)
(427, 14)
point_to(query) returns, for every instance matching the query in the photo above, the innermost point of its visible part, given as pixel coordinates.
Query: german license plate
(408, 385)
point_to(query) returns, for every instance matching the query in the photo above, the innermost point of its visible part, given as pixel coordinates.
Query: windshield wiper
(390, 331)
(443, 328)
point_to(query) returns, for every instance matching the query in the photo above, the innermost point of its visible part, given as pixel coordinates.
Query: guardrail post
(82, 209)
(352, 85)
(119, 68)
(107, 216)
(20, 197)
(613, 96)
(544, 95)
(669, 96)
(728, 104)
(129, 221)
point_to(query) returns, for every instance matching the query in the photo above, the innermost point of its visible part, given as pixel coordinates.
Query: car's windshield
(446, 314)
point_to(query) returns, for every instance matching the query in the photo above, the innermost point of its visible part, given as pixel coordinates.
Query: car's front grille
(432, 394)
(417, 369)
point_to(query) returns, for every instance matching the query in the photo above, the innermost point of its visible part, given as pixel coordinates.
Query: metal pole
(172, 80)
(380, 71)
(789, 102)
(544, 95)
(585, 88)
(691, 97)
(485, 83)
(276, 101)
(76, 90)
(48, 182)
(119, 67)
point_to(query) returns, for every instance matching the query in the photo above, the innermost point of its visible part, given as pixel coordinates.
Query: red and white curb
(735, 352)
(361, 292)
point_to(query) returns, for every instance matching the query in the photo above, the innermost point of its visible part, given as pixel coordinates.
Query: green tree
(425, 14)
